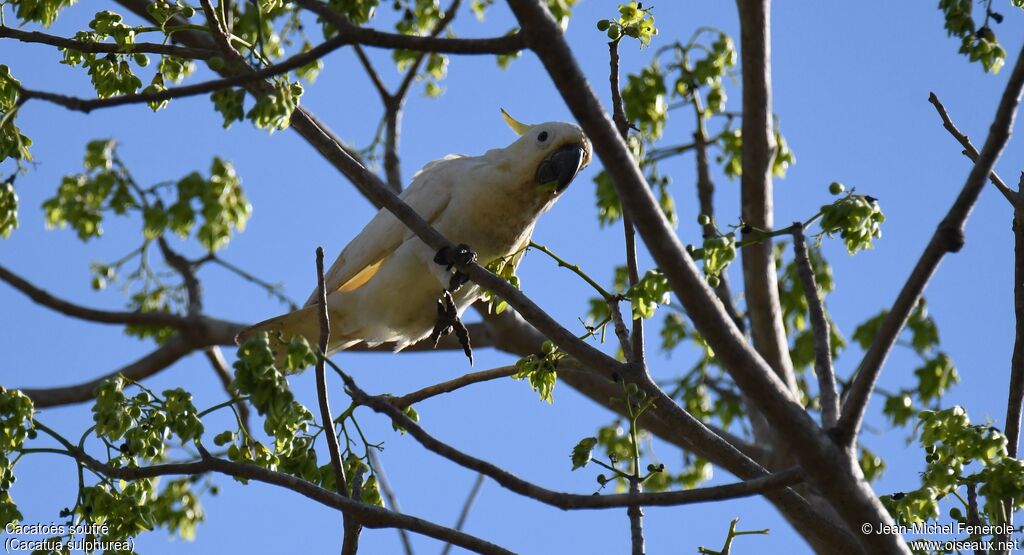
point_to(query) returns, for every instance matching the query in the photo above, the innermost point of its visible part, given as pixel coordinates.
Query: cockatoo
(385, 285)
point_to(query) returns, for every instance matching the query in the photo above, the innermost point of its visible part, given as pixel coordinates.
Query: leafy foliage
(978, 43)
(541, 370)
(216, 203)
(13, 144)
(634, 21)
(856, 218)
(960, 454)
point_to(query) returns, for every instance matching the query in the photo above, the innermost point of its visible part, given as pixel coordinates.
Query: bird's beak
(561, 167)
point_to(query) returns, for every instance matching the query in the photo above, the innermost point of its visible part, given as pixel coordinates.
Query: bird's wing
(428, 194)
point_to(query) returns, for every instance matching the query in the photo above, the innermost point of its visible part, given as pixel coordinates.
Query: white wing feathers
(428, 194)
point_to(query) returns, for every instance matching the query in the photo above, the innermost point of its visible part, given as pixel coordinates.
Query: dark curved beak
(561, 167)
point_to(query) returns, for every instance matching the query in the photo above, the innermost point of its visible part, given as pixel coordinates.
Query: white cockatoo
(385, 285)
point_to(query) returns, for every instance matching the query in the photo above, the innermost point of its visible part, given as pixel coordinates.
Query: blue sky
(851, 82)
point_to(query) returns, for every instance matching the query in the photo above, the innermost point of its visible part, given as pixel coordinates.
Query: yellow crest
(517, 126)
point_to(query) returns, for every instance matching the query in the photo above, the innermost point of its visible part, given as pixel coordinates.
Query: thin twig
(351, 540)
(629, 232)
(820, 326)
(706, 201)
(508, 44)
(565, 501)
(220, 367)
(451, 385)
(466, 507)
(389, 495)
(969, 151)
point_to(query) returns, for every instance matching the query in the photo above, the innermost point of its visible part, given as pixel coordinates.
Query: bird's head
(557, 151)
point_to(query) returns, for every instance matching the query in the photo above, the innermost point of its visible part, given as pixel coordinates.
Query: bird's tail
(303, 322)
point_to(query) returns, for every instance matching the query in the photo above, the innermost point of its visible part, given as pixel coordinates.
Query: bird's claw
(459, 255)
(448, 321)
(450, 257)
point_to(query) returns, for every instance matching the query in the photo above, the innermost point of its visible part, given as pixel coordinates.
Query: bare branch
(351, 542)
(1015, 397)
(629, 232)
(451, 385)
(466, 507)
(507, 44)
(369, 516)
(389, 495)
(171, 351)
(706, 201)
(969, 151)
(948, 238)
(106, 48)
(819, 324)
(568, 501)
(760, 282)
(39, 296)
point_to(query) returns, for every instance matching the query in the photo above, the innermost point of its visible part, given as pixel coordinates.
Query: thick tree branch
(106, 48)
(948, 237)
(820, 326)
(1015, 397)
(760, 282)
(507, 44)
(832, 471)
(171, 351)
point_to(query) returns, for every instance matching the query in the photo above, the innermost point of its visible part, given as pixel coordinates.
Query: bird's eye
(543, 136)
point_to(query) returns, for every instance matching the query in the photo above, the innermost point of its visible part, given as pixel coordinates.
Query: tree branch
(760, 282)
(832, 472)
(1015, 395)
(567, 501)
(507, 44)
(706, 201)
(389, 495)
(106, 48)
(87, 105)
(136, 318)
(369, 516)
(948, 237)
(449, 386)
(629, 232)
(466, 507)
(220, 367)
(819, 323)
(351, 542)
(972, 153)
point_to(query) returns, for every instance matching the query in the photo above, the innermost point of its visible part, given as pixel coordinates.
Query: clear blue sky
(851, 82)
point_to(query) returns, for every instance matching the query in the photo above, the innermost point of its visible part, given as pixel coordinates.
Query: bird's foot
(448, 321)
(450, 257)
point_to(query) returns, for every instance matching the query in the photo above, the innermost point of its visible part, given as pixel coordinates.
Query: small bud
(836, 188)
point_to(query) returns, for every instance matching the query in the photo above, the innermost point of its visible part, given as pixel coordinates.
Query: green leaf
(582, 451)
